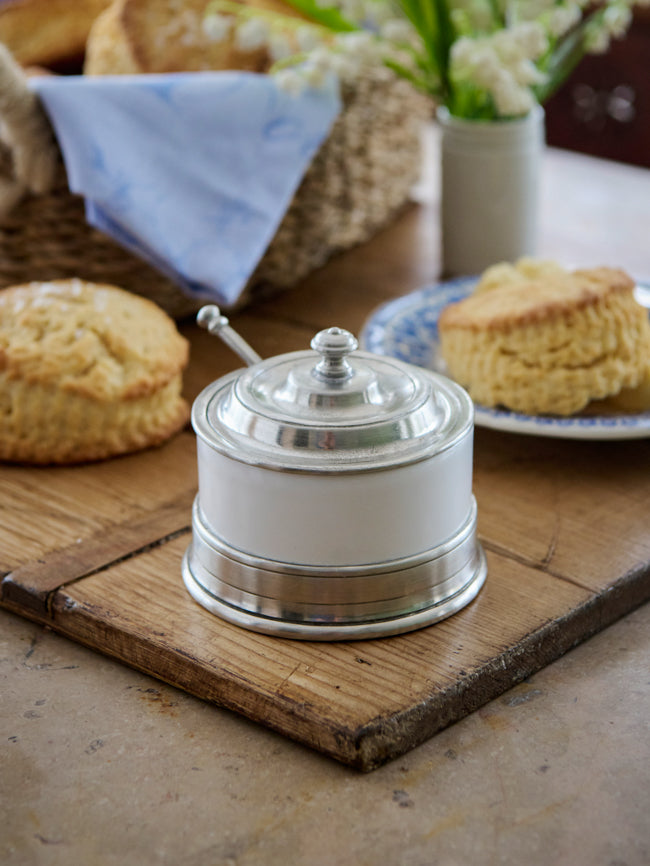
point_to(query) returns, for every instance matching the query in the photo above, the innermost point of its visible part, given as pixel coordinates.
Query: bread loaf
(87, 372)
(145, 36)
(47, 32)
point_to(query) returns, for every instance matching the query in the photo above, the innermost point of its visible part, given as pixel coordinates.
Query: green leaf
(562, 60)
(432, 21)
(446, 37)
(329, 17)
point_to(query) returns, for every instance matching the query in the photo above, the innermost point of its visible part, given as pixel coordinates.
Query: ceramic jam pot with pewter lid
(335, 493)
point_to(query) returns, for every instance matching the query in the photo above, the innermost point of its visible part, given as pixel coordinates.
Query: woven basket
(358, 181)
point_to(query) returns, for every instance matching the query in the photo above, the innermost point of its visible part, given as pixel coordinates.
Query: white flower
(307, 38)
(525, 72)
(280, 46)
(379, 12)
(500, 65)
(617, 19)
(562, 18)
(397, 30)
(596, 40)
(504, 43)
(314, 76)
(462, 51)
(290, 80)
(353, 10)
(513, 50)
(252, 33)
(322, 57)
(346, 66)
(512, 100)
(360, 43)
(473, 58)
(488, 48)
(531, 37)
(217, 27)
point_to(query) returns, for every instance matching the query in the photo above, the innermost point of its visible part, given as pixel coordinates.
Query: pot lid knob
(333, 345)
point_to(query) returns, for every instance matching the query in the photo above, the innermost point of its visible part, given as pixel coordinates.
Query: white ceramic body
(340, 518)
(490, 173)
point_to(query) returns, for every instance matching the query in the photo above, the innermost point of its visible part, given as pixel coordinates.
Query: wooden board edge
(174, 667)
(380, 740)
(33, 584)
(383, 740)
(32, 614)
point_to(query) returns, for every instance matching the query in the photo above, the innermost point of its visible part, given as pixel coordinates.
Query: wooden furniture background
(603, 109)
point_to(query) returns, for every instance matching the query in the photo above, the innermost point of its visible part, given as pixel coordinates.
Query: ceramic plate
(407, 328)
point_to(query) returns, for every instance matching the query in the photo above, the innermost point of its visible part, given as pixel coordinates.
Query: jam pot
(335, 493)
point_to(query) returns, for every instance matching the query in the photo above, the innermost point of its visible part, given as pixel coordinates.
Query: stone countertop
(104, 766)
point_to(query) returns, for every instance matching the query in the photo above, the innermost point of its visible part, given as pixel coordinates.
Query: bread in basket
(359, 180)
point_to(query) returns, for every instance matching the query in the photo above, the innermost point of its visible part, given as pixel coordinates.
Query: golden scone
(634, 400)
(45, 32)
(523, 270)
(87, 372)
(545, 347)
(144, 36)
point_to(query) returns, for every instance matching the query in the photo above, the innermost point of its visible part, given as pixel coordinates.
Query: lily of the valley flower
(501, 64)
(481, 58)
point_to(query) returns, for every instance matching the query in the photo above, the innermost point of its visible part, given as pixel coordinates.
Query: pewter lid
(333, 409)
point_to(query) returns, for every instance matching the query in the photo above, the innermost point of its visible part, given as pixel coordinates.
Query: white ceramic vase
(490, 178)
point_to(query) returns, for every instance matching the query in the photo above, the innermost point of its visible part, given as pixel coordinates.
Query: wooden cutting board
(95, 553)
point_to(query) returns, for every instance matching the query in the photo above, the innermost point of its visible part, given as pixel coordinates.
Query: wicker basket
(358, 181)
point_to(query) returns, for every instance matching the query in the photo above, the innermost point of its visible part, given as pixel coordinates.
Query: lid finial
(334, 344)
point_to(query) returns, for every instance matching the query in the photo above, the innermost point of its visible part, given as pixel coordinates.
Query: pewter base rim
(386, 627)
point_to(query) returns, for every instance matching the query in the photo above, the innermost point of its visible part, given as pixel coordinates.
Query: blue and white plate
(407, 328)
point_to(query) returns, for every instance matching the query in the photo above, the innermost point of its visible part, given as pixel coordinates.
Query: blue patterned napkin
(191, 171)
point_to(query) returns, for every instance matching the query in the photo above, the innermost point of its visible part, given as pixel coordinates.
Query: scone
(548, 347)
(46, 32)
(523, 270)
(87, 372)
(632, 400)
(144, 36)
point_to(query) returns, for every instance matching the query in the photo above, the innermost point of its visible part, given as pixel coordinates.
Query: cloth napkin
(191, 171)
